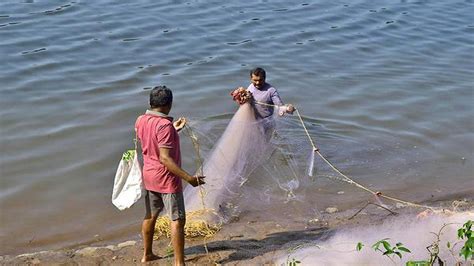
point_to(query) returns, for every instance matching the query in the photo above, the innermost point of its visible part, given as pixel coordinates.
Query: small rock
(114, 257)
(88, 252)
(33, 254)
(126, 244)
(459, 205)
(340, 192)
(70, 254)
(399, 205)
(331, 210)
(35, 261)
(235, 236)
(111, 247)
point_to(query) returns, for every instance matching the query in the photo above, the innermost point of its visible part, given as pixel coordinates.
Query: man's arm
(170, 164)
(276, 99)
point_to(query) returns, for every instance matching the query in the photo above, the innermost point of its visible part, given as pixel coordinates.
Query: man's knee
(152, 215)
(179, 222)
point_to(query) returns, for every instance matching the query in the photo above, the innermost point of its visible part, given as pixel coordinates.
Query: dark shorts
(172, 203)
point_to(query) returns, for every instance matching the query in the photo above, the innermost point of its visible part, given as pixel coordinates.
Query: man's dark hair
(259, 72)
(160, 96)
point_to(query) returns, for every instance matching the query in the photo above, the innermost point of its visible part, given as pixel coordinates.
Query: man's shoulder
(267, 87)
(164, 123)
(157, 120)
(139, 121)
(270, 88)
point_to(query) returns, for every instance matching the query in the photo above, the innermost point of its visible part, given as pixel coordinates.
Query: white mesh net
(253, 161)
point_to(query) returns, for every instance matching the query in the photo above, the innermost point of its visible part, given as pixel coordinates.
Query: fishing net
(269, 166)
(240, 150)
(260, 165)
(252, 159)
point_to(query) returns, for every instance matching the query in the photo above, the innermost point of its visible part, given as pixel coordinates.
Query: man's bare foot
(150, 257)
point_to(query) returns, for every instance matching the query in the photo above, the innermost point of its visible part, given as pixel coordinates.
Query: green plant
(293, 262)
(388, 249)
(128, 155)
(169, 251)
(433, 249)
(465, 232)
(418, 263)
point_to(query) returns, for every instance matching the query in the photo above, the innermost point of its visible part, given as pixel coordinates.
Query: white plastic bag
(128, 184)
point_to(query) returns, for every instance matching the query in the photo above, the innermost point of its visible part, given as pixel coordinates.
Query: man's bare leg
(177, 237)
(148, 229)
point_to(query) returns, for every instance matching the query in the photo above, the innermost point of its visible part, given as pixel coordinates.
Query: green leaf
(468, 224)
(376, 245)
(470, 242)
(169, 251)
(386, 245)
(448, 245)
(359, 246)
(418, 263)
(404, 249)
(398, 254)
(465, 252)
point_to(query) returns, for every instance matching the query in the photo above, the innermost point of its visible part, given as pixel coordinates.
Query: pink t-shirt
(155, 130)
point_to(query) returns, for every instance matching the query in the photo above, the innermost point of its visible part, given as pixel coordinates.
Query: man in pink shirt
(162, 172)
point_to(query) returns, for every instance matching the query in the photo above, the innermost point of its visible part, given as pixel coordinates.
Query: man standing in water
(265, 95)
(265, 99)
(162, 172)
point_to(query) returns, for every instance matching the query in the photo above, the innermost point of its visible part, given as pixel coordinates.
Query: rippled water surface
(385, 87)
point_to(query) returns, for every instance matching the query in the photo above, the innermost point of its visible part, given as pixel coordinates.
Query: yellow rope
(210, 229)
(200, 170)
(315, 149)
(195, 226)
(347, 179)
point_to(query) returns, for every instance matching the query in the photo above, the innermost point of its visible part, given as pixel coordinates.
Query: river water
(385, 89)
